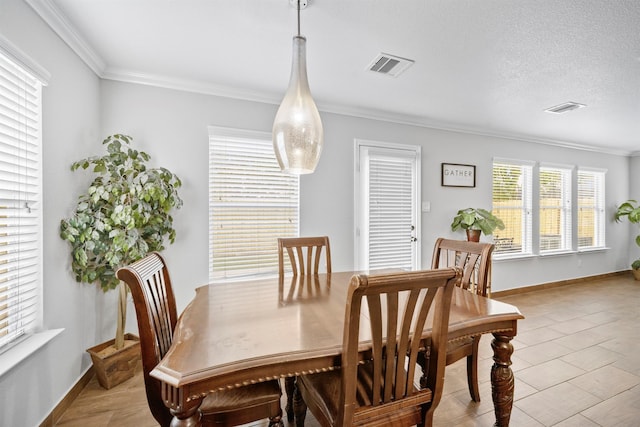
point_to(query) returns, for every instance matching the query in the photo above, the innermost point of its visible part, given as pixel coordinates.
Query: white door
(387, 189)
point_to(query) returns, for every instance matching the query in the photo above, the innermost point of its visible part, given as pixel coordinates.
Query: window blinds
(591, 216)
(391, 210)
(20, 201)
(555, 209)
(251, 203)
(512, 198)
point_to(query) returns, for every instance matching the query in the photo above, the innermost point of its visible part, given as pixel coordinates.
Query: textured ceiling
(489, 67)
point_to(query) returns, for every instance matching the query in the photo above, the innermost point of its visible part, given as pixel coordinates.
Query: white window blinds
(391, 207)
(512, 201)
(251, 203)
(591, 215)
(555, 209)
(20, 201)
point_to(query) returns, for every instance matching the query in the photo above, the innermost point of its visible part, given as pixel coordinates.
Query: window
(591, 219)
(387, 189)
(555, 209)
(251, 203)
(512, 183)
(20, 200)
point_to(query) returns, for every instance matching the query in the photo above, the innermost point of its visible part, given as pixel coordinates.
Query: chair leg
(300, 408)
(472, 371)
(289, 387)
(276, 421)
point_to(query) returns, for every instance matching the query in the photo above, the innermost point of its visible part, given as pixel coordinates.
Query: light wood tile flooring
(576, 363)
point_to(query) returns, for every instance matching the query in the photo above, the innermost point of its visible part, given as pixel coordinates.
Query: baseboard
(68, 399)
(551, 285)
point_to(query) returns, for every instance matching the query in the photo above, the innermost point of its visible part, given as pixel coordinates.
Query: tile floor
(576, 363)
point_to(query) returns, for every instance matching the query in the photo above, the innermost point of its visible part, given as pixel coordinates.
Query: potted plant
(124, 214)
(631, 210)
(474, 221)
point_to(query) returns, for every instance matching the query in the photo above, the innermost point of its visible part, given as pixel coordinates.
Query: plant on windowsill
(475, 221)
(631, 210)
(124, 214)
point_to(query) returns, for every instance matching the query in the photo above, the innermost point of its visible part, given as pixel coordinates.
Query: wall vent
(564, 108)
(390, 65)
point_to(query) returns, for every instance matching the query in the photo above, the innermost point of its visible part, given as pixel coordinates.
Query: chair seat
(326, 389)
(458, 349)
(216, 405)
(241, 397)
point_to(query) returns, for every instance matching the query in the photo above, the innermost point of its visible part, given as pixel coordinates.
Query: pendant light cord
(298, 17)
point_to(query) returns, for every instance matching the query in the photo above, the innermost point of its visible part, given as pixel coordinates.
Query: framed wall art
(457, 175)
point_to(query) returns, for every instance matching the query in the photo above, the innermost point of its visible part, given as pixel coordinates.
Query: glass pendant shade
(297, 129)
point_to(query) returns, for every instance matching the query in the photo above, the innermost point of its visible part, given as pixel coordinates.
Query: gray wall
(172, 125)
(80, 110)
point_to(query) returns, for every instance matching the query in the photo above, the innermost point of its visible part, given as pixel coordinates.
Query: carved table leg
(299, 408)
(185, 413)
(289, 387)
(188, 417)
(502, 381)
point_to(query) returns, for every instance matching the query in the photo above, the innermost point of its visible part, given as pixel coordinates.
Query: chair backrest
(398, 307)
(150, 285)
(304, 254)
(473, 258)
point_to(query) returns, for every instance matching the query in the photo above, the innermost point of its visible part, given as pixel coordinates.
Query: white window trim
(603, 219)
(15, 352)
(573, 249)
(359, 202)
(568, 209)
(240, 134)
(529, 219)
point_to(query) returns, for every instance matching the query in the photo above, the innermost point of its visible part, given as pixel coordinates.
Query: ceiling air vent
(564, 108)
(390, 65)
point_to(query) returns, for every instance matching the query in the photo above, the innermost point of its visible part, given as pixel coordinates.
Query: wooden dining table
(238, 333)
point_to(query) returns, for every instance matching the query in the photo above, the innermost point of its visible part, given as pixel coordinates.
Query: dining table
(238, 333)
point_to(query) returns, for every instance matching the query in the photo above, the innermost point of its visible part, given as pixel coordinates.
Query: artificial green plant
(631, 210)
(124, 214)
(476, 219)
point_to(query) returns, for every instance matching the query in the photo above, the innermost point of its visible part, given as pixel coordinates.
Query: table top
(236, 333)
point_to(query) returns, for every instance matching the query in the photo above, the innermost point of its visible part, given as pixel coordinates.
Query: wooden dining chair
(150, 285)
(375, 382)
(305, 254)
(475, 261)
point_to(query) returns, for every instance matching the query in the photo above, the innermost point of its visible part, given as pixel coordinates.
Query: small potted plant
(476, 221)
(124, 214)
(631, 210)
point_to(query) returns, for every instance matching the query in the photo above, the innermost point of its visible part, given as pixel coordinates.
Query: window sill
(591, 250)
(13, 356)
(513, 257)
(557, 253)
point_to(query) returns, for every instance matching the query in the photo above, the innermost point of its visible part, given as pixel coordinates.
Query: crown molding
(256, 96)
(52, 16)
(187, 85)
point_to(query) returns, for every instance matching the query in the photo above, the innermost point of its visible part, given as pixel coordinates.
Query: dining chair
(155, 305)
(304, 255)
(475, 261)
(375, 382)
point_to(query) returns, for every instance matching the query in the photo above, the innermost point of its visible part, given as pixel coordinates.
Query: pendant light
(297, 129)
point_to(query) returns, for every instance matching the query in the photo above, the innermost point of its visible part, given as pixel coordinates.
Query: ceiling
(483, 66)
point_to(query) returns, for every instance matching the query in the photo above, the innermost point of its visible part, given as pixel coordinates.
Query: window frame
(22, 306)
(526, 209)
(564, 206)
(598, 209)
(387, 154)
(262, 148)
